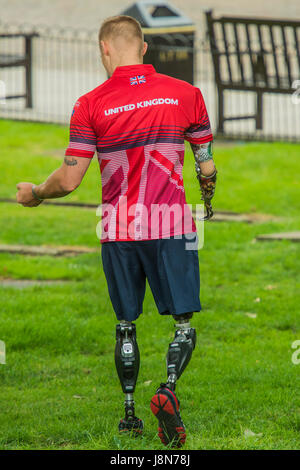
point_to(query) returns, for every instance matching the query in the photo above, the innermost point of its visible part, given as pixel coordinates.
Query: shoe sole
(171, 430)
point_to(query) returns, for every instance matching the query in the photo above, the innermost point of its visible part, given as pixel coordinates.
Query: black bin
(170, 36)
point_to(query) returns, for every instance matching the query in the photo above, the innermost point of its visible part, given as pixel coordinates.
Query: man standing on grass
(137, 121)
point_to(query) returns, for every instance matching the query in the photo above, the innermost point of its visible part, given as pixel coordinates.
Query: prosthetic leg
(164, 404)
(180, 350)
(127, 360)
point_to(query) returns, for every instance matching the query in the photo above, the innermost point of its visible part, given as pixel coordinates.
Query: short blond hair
(122, 26)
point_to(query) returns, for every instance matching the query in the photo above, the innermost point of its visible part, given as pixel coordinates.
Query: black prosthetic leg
(180, 350)
(127, 360)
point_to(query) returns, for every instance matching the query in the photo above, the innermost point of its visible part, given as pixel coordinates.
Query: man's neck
(127, 62)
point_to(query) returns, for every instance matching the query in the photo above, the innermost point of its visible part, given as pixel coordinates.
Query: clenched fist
(25, 196)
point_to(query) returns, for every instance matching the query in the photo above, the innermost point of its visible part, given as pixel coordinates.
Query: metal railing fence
(65, 64)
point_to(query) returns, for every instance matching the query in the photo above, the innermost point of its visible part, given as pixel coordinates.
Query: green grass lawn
(59, 388)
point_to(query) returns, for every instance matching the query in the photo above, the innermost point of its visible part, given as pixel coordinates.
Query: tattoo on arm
(70, 161)
(202, 152)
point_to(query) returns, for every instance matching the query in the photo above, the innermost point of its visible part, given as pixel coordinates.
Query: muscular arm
(65, 179)
(61, 182)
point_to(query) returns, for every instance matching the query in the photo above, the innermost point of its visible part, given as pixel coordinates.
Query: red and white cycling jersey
(137, 122)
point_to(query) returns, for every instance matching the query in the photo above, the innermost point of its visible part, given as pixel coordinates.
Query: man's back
(137, 121)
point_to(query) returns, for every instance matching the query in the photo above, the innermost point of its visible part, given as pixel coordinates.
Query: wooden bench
(251, 54)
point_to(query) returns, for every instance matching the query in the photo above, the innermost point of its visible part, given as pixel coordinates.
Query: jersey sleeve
(82, 136)
(199, 131)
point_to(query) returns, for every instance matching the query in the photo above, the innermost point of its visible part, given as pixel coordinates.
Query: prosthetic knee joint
(180, 350)
(127, 360)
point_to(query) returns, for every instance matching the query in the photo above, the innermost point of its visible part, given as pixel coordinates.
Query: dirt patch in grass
(23, 283)
(82, 205)
(219, 216)
(291, 236)
(47, 250)
(227, 216)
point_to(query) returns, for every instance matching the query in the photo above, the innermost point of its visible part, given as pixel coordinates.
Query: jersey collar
(129, 70)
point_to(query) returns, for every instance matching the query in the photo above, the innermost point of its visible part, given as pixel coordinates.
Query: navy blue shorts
(172, 272)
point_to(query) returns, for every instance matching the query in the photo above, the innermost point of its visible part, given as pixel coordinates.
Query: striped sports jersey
(137, 122)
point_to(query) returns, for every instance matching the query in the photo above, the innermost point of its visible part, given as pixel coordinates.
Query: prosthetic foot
(127, 360)
(131, 423)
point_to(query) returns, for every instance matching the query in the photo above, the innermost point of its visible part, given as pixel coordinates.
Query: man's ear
(145, 48)
(104, 48)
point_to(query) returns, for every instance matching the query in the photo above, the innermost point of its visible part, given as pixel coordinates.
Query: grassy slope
(60, 340)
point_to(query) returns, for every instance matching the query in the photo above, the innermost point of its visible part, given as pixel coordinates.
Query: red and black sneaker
(165, 406)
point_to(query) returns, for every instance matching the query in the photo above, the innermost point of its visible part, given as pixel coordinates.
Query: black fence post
(220, 128)
(259, 110)
(28, 70)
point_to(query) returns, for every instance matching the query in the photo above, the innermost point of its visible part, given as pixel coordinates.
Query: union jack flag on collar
(138, 80)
